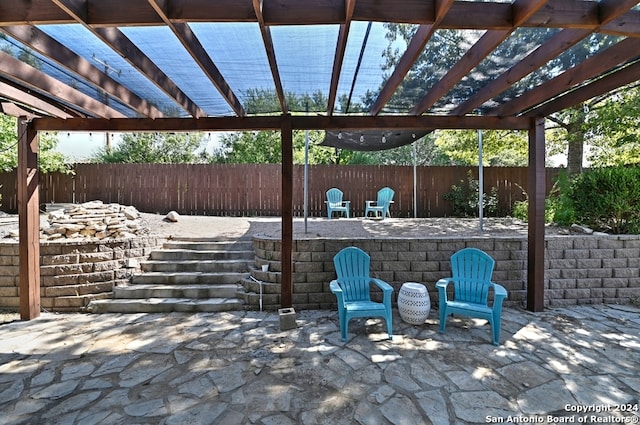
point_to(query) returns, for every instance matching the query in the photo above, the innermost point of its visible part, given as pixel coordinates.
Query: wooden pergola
(55, 97)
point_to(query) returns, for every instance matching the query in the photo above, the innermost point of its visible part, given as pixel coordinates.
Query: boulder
(173, 216)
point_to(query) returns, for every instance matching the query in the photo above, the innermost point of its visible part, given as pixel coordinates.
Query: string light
(362, 138)
(339, 135)
(384, 139)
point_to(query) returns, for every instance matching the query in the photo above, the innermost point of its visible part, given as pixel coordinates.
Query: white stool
(414, 303)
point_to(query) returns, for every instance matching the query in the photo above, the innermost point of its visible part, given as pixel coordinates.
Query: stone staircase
(186, 275)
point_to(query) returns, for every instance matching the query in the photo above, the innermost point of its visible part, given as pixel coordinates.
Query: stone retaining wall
(579, 269)
(73, 273)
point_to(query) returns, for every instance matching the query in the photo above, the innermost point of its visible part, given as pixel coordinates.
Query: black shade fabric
(370, 140)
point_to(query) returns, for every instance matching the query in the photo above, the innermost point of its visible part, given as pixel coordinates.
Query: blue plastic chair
(352, 290)
(472, 270)
(380, 207)
(335, 203)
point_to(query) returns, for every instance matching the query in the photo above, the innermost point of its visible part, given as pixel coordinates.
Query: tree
(265, 147)
(611, 128)
(499, 147)
(48, 159)
(160, 148)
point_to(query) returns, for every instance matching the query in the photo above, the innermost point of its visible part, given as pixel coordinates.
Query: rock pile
(93, 220)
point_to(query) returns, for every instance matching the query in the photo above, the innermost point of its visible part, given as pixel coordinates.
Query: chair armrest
(335, 288)
(384, 286)
(442, 283)
(500, 293)
(346, 203)
(499, 290)
(387, 290)
(370, 203)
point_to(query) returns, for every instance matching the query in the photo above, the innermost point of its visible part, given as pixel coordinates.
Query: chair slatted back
(385, 196)
(334, 197)
(352, 268)
(472, 270)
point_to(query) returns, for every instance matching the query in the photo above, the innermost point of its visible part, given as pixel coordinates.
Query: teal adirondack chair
(472, 270)
(335, 203)
(352, 290)
(380, 207)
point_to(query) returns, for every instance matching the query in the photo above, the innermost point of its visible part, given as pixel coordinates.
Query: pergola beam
(274, 123)
(464, 14)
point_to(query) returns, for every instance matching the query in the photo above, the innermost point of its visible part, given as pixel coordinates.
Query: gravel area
(359, 227)
(200, 226)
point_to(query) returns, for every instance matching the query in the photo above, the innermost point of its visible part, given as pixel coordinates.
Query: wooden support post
(536, 243)
(28, 220)
(286, 254)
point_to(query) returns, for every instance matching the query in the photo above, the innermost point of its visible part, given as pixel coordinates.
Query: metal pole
(306, 175)
(480, 179)
(415, 185)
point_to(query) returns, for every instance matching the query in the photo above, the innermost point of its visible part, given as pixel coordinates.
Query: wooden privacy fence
(255, 189)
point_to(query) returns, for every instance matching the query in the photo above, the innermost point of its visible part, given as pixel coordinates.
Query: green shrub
(558, 207)
(464, 198)
(608, 199)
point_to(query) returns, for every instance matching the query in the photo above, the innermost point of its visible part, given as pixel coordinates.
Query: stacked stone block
(579, 269)
(72, 273)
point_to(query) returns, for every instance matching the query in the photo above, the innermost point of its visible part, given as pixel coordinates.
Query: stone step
(211, 245)
(176, 291)
(165, 305)
(188, 278)
(208, 266)
(188, 254)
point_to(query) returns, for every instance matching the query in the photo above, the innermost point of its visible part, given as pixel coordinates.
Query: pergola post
(286, 282)
(537, 192)
(28, 220)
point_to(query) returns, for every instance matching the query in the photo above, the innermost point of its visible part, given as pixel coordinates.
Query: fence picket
(254, 189)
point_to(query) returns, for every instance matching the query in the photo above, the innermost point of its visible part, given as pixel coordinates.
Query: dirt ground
(210, 227)
(246, 227)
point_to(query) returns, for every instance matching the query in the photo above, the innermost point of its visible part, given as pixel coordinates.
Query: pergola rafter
(39, 41)
(199, 54)
(34, 79)
(128, 50)
(271, 54)
(614, 56)
(523, 10)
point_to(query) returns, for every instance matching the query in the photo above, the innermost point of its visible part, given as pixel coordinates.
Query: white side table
(414, 303)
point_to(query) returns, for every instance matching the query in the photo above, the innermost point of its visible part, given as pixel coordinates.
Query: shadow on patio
(240, 368)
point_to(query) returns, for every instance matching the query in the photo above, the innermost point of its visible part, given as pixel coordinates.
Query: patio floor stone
(571, 364)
